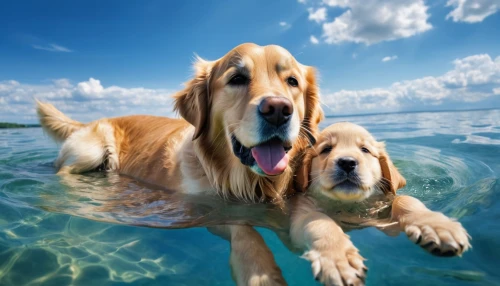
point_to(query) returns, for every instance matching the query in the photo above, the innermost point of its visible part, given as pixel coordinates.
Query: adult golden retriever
(246, 120)
(245, 117)
(349, 176)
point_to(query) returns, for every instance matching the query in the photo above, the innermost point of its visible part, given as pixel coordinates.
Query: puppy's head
(259, 100)
(348, 164)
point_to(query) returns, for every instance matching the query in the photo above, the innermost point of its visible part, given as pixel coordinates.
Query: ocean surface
(99, 229)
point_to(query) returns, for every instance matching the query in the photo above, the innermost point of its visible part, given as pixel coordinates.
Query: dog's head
(348, 164)
(258, 99)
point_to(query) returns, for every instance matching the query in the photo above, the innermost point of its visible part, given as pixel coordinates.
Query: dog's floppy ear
(314, 114)
(389, 172)
(194, 101)
(303, 171)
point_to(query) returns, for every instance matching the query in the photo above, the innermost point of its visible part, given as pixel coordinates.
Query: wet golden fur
(194, 154)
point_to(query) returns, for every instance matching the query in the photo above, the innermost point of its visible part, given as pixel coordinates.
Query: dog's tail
(55, 123)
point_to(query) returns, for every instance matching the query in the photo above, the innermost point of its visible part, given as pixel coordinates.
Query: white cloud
(373, 21)
(86, 101)
(473, 70)
(91, 88)
(337, 3)
(472, 79)
(318, 16)
(302, 1)
(389, 58)
(52, 48)
(283, 24)
(62, 82)
(314, 40)
(472, 11)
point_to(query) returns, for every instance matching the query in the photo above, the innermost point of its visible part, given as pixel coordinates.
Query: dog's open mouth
(271, 156)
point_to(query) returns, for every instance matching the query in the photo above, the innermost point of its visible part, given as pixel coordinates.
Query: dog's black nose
(347, 164)
(276, 110)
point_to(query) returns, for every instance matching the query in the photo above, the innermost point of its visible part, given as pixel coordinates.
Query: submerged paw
(337, 268)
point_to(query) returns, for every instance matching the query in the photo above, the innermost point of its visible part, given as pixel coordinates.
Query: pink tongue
(271, 157)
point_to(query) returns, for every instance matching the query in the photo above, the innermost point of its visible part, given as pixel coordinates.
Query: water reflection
(118, 199)
(410, 125)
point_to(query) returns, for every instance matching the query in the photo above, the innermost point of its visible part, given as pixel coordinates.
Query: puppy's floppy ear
(303, 171)
(314, 114)
(389, 172)
(194, 102)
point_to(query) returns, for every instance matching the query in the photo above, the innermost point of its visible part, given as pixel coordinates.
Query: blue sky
(110, 58)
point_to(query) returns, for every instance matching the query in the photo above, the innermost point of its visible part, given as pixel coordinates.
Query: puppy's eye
(238, 79)
(326, 150)
(365, 150)
(292, 81)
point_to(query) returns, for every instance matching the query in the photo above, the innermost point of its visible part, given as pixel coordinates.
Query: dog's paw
(265, 280)
(437, 233)
(337, 266)
(253, 264)
(255, 270)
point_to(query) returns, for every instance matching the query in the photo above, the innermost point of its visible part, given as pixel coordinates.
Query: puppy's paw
(437, 233)
(337, 266)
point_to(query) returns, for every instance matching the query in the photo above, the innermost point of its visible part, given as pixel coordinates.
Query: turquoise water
(107, 230)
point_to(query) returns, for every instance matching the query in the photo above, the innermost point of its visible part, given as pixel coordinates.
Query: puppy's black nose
(276, 110)
(347, 164)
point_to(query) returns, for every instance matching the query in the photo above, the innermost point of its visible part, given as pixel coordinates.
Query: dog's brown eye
(292, 81)
(326, 150)
(365, 150)
(238, 79)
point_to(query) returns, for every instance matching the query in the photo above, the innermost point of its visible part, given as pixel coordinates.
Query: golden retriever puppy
(348, 168)
(245, 119)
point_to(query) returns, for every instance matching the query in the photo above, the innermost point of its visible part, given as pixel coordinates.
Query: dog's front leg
(433, 231)
(335, 260)
(252, 263)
